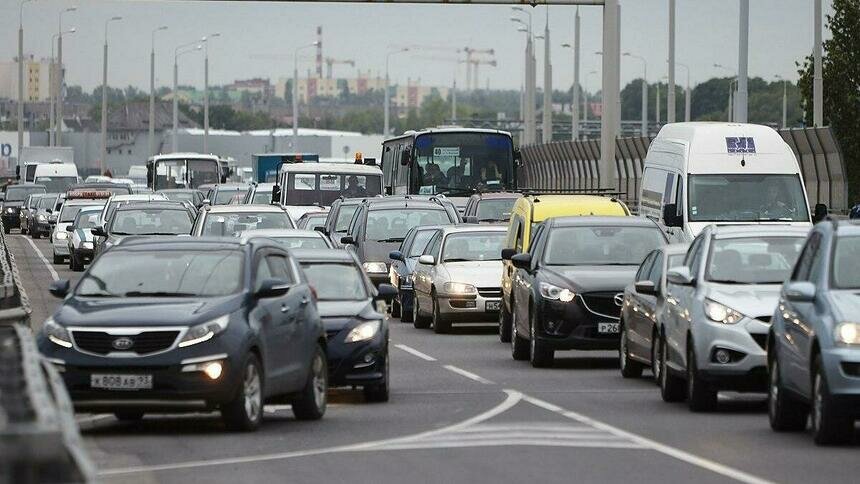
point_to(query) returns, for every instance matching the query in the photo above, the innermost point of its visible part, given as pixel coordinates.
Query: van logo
(619, 299)
(740, 144)
(122, 344)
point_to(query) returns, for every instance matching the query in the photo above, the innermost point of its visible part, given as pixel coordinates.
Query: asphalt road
(461, 411)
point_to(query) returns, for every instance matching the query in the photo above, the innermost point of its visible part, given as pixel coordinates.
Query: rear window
(391, 225)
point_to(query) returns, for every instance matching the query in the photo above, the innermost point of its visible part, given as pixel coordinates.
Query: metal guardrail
(39, 438)
(574, 164)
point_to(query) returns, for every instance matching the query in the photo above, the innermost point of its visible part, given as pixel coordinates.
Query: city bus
(183, 170)
(455, 162)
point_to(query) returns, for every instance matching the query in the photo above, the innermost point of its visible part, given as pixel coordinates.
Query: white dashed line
(41, 256)
(413, 351)
(469, 375)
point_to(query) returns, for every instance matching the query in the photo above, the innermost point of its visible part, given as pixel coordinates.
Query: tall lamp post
(687, 92)
(644, 91)
(152, 91)
(530, 121)
(104, 92)
(784, 100)
(387, 97)
(586, 106)
(296, 92)
(177, 52)
(730, 115)
(205, 41)
(574, 104)
(20, 81)
(52, 115)
(58, 124)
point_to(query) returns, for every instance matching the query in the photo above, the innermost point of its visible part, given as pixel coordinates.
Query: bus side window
(402, 171)
(387, 165)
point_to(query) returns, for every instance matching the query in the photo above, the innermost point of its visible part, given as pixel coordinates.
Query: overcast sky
(258, 39)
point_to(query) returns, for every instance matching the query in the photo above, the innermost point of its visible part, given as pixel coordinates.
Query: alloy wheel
(253, 396)
(319, 382)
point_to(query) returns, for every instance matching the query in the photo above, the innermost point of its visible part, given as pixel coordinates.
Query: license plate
(121, 382)
(607, 328)
(492, 305)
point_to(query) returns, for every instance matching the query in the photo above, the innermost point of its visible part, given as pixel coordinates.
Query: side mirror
(389, 190)
(206, 202)
(276, 194)
(508, 253)
(48, 210)
(405, 157)
(395, 255)
(471, 219)
(385, 292)
(680, 276)
(347, 240)
(646, 287)
(820, 213)
(671, 217)
(69, 228)
(59, 288)
(799, 291)
(321, 229)
(272, 288)
(98, 231)
(427, 260)
(522, 261)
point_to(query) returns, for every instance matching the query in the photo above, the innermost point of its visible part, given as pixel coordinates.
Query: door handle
(284, 308)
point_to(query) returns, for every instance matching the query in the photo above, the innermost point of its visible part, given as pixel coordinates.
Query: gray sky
(707, 31)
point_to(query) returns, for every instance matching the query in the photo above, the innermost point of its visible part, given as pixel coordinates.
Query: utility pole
(547, 85)
(817, 74)
(206, 91)
(574, 109)
(20, 82)
(296, 93)
(386, 101)
(743, 62)
(152, 91)
(784, 101)
(686, 92)
(58, 124)
(670, 97)
(178, 51)
(104, 93)
(609, 129)
(657, 105)
(644, 129)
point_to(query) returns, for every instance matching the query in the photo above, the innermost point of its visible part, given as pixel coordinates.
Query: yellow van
(530, 211)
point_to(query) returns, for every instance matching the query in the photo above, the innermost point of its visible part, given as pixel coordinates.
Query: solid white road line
(41, 256)
(469, 375)
(413, 351)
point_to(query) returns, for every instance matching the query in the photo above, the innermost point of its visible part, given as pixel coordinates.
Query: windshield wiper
(453, 190)
(158, 233)
(97, 294)
(392, 239)
(458, 259)
(121, 233)
(775, 219)
(729, 281)
(158, 294)
(493, 220)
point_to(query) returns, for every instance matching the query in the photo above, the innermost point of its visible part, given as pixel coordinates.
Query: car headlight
(459, 288)
(61, 235)
(205, 331)
(41, 218)
(56, 333)
(375, 267)
(87, 245)
(363, 331)
(555, 293)
(721, 313)
(847, 333)
(10, 210)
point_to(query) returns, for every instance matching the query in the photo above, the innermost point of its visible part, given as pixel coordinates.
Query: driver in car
(353, 189)
(774, 206)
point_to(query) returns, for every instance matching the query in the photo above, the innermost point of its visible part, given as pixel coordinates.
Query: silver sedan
(458, 278)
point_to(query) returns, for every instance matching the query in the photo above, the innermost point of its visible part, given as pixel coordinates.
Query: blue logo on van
(741, 144)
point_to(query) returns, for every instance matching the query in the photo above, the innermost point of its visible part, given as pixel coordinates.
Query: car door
(524, 281)
(638, 311)
(302, 322)
(423, 280)
(514, 241)
(682, 298)
(798, 325)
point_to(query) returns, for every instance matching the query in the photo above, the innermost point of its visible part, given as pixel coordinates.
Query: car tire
(378, 393)
(418, 321)
(629, 367)
(23, 232)
(655, 357)
(58, 259)
(519, 346)
(671, 387)
(504, 324)
(6, 229)
(245, 412)
(75, 264)
(313, 399)
(701, 397)
(406, 316)
(786, 414)
(440, 324)
(828, 426)
(128, 415)
(395, 308)
(36, 234)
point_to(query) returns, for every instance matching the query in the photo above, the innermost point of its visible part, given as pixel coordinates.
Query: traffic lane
(737, 434)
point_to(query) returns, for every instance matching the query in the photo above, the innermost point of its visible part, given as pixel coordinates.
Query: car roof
(675, 249)
(382, 204)
(768, 230)
(232, 186)
(314, 214)
(183, 243)
(587, 221)
(280, 233)
(849, 227)
(85, 201)
(158, 205)
(546, 206)
(177, 190)
(135, 197)
(326, 167)
(244, 208)
(498, 195)
(322, 255)
(474, 228)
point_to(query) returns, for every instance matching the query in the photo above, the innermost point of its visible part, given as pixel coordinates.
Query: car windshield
(224, 195)
(391, 225)
(163, 273)
(477, 246)
(69, 212)
(226, 224)
(150, 221)
(344, 216)
(601, 245)
(87, 219)
(17, 193)
(302, 242)
(179, 196)
(336, 281)
(419, 243)
(56, 183)
(753, 198)
(262, 198)
(33, 201)
(458, 163)
(495, 209)
(846, 263)
(753, 260)
(325, 188)
(311, 222)
(46, 202)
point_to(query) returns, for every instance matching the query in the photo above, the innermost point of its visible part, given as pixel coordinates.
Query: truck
(34, 155)
(266, 165)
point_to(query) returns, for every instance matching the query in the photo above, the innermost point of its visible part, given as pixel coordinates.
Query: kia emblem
(122, 344)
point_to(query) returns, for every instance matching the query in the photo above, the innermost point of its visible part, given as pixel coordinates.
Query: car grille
(490, 291)
(602, 303)
(760, 338)
(764, 319)
(144, 343)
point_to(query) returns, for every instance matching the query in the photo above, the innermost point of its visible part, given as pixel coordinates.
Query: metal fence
(574, 164)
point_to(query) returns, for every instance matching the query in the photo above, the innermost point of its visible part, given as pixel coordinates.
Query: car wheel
(128, 415)
(406, 316)
(395, 308)
(504, 324)
(786, 414)
(828, 426)
(539, 355)
(245, 412)
(440, 324)
(700, 396)
(58, 259)
(76, 264)
(418, 321)
(36, 234)
(379, 391)
(671, 387)
(6, 229)
(655, 357)
(629, 367)
(23, 231)
(311, 403)
(519, 346)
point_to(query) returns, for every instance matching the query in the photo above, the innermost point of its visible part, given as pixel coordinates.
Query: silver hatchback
(720, 304)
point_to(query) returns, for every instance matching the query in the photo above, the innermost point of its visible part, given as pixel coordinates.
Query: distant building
(37, 79)
(412, 95)
(256, 86)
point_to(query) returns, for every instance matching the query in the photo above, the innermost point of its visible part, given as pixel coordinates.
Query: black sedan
(568, 289)
(189, 325)
(356, 329)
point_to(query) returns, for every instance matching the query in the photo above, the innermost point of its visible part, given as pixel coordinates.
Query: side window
(512, 232)
(645, 268)
(434, 245)
(656, 273)
(653, 188)
(279, 267)
(803, 268)
(263, 272)
(518, 235)
(694, 254)
(537, 238)
(387, 166)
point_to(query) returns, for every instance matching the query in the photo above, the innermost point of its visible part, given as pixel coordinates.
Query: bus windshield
(461, 162)
(184, 173)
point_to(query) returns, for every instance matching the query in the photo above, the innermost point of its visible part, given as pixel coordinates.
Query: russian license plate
(607, 328)
(121, 382)
(492, 305)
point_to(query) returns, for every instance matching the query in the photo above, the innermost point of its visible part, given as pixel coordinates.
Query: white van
(696, 174)
(56, 176)
(304, 187)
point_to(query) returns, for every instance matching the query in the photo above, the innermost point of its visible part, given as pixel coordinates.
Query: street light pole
(52, 81)
(817, 75)
(530, 134)
(644, 91)
(784, 101)
(386, 98)
(178, 51)
(58, 124)
(296, 93)
(20, 82)
(670, 97)
(547, 85)
(104, 93)
(686, 93)
(152, 91)
(731, 108)
(206, 91)
(574, 105)
(743, 61)
(586, 106)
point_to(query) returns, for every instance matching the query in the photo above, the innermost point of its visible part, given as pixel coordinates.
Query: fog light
(722, 356)
(368, 358)
(213, 370)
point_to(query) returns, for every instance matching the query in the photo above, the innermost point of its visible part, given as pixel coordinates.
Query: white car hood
(479, 274)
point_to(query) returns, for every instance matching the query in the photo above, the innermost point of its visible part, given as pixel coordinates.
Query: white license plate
(607, 328)
(121, 382)
(492, 305)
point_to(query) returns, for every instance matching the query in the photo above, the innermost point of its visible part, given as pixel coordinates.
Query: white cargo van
(696, 174)
(304, 187)
(56, 176)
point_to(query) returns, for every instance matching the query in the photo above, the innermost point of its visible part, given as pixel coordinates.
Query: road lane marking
(469, 375)
(41, 256)
(413, 351)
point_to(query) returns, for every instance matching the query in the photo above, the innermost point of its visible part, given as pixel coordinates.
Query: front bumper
(745, 342)
(470, 307)
(573, 326)
(356, 364)
(41, 227)
(84, 255)
(842, 370)
(61, 247)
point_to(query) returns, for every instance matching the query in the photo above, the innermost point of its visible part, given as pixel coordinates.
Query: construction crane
(329, 62)
(472, 64)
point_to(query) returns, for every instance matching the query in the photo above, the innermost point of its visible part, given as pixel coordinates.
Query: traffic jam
(200, 294)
